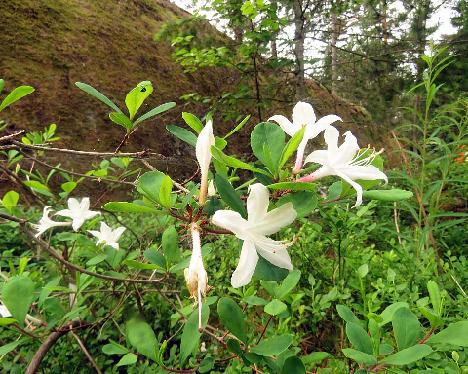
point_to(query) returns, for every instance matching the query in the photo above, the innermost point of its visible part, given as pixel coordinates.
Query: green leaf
(269, 272)
(315, 358)
(304, 202)
(363, 270)
(143, 266)
(267, 141)
(238, 127)
(7, 348)
(293, 186)
(137, 96)
(434, 295)
(254, 300)
(234, 162)
(114, 348)
(121, 119)
(141, 336)
(193, 121)
(183, 134)
(170, 245)
(2, 85)
(155, 111)
(229, 195)
(347, 315)
(408, 355)
(38, 187)
(93, 92)
(165, 192)
(10, 200)
(275, 307)
(294, 365)
(273, 346)
(190, 335)
(406, 328)
(15, 95)
(68, 187)
(454, 334)
(128, 359)
(359, 357)
(232, 317)
(7, 321)
(359, 337)
(288, 284)
(12, 289)
(156, 186)
(388, 195)
(155, 257)
(291, 146)
(124, 207)
(387, 314)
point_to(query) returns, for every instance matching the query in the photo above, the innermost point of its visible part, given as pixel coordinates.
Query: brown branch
(86, 352)
(71, 265)
(92, 177)
(35, 363)
(264, 330)
(141, 154)
(11, 136)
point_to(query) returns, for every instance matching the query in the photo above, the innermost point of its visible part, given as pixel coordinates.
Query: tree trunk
(333, 51)
(423, 10)
(299, 37)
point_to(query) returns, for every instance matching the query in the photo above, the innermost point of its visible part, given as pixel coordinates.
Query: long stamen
(366, 160)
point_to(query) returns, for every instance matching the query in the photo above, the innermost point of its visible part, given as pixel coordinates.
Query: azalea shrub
(267, 266)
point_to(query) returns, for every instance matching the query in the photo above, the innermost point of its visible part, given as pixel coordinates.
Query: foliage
(366, 293)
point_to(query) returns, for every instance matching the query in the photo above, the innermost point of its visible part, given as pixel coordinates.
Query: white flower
(254, 233)
(78, 212)
(203, 152)
(344, 161)
(45, 223)
(4, 312)
(195, 275)
(304, 116)
(108, 236)
(211, 189)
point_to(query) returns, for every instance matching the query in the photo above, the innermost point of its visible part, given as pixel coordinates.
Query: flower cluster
(344, 161)
(79, 212)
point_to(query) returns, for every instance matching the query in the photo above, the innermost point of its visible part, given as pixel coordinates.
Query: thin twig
(178, 185)
(11, 136)
(92, 177)
(86, 352)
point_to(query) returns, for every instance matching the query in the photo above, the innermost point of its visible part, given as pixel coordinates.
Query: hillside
(50, 44)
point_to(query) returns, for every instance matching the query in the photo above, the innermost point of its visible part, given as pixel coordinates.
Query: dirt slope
(50, 44)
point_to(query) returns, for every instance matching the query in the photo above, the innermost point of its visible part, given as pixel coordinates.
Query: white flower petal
(73, 204)
(368, 172)
(288, 127)
(65, 213)
(321, 125)
(355, 185)
(303, 114)
(246, 266)
(275, 220)
(318, 157)
(257, 202)
(118, 232)
(331, 138)
(230, 220)
(273, 251)
(348, 149)
(203, 147)
(77, 223)
(84, 205)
